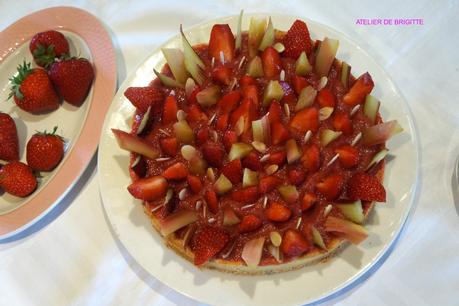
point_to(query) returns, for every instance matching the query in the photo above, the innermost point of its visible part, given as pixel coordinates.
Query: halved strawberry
(326, 98)
(144, 97)
(275, 112)
(247, 80)
(272, 65)
(212, 201)
(195, 183)
(294, 243)
(177, 171)
(296, 176)
(268, 183)
(229, 138)
(277, 158)
(249, 223)
(278, 212)
(222, 74)
(348, 156)
(195, 114)
(169, 145)
(246, 195)
(330, 187)
(149, 189)
(221, 40)
(306, 120)
(229, 101)
(342, 122)
(243, 111)
(362, 87)
(279, 133)
(251, 92)
(208, 242)
(233, 171)
(309, 199)
(213, 153)
(366, 187)
(311, 158)
(297, 40)
(252, 161)
(222, 122)
(202, 135)
(170, 110)
(299, 83)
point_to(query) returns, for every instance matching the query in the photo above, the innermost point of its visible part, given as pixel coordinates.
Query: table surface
(72, 257)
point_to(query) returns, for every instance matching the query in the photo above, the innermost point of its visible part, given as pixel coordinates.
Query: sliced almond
(276, 238)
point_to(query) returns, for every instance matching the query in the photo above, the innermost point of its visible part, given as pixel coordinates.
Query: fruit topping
(352, 211)
(268, 37)
(330, 187)
(230, 217)
(293, 151)
(348, 156)
(221, 42)
(306, 98)
(289, 193)
(170, 110)
(176, 221)
(276, 238)
(238, 42)
(144, 97)
(252, 161)
(195, 183)
(296, 176)
(177, 171)
(297, 40)
(268, 183)
(325, 56)
(344, 74)
(133, 143)
(250, 178)
(371, 108)
(149, 189)
(361, 88)
(279, 133)
(302, 65)
(365, 187)
(257, 29)
(327, 136)
(351, 231)
(377, 158)
(193, 62)
(308, 200)
(380, 133)
(245, 195)
(183, 132)
(233, 171)
(325, 113)
(208, 242)
(306, 120)
(223, 185)
(209, 96)
(176, 61)
(311, 158)
(294, 243)
(239, 150)
(255, 67)
(212, 200)
(252, 251)
(317, 238)
(261, 130)
(166, 80)
(249, 223)
(342, 122)
(278, 212)
(213, 153)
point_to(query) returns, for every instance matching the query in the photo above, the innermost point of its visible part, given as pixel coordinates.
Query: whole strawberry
(72, 79)
(17, 178)
(45, 151)
(32, 90)
(9, 148)
(46, 46)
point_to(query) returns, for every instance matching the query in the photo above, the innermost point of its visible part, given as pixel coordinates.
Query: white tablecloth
(71, 257)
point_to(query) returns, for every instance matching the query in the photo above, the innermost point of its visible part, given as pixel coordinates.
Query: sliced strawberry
(348, 156)
(212, 201)
(243, 111)
(278, 212)
(326, 98)
(299, 83)
(229, 101)
(222, 74)
(249, 223)
(213, 153)
(144, 97)
(279, 133)
(177, 171)
(306, 120)
(366, 187)
(208, 242)
(247, 80)
(330, 187)
(251, 92)
(289, 95)
(195, 183)
(342, 122)
(149, 189)
(229, 138)
(275, 112)
(311, 158)
(192, 97)
(195, 114)
(170, 110)
(297, 40)
(246, 195)
(221, 40)
(202, 136)
(169, 145)
(362, 87)
(277, 158)
(296, 176)
(272, 65)
(309, 199)
(268, 183)
(252, 161)
(233, 171)
(222, 122)
(294, 243)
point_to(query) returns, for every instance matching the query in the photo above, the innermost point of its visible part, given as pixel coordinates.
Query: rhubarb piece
(317, 238)
(275, 252)
(169, 110)
(149, 189)
(209, 96)
(348, 156)
(198, 165)
(278, 212)
(250, 178)
(325, 56)
(366, 187)
(133, 143)
(371, 108)
(309, 199)
(249, 223)
(306, 98)
(276, 238)
(344, 74)
(330, 187)
(325, 113)
(361, 88)
(222, 185)
(261, 130)
(352, 211)
(353, 232)
(221, 42)
(268, 37)
(297, 40)
(302, 65)
(268, 183)
(247, 195)
(176, 221)
(293, 243)
(311, 158)
(208, 242)
(380, 133)
(177, 171)
(306, 120)
(239, 150)
(289, 193)
(195, 183)
(176, 62)
(273, 91)
(252, 251)
(327, 136)
(167, 81)
(193, 62)
(256, 31)
(144, 121)
(272, 64)
(293, 151)
(255, 67)
(233, 171)
(183, 132)
(377, 158)
(238, 42)
(230, 217)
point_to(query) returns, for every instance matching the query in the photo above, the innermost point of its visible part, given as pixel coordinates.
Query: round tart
(258, 152)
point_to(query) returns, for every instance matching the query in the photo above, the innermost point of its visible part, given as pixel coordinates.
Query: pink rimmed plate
(80, 126)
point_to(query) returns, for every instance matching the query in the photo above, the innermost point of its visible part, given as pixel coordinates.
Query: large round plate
(306, 285)
(80, 126)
